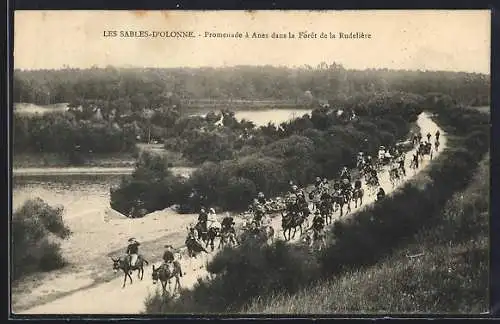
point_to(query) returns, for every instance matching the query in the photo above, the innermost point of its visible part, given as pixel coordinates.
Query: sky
(451, 40)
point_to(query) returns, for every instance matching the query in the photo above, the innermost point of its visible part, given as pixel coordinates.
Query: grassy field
(443, 269)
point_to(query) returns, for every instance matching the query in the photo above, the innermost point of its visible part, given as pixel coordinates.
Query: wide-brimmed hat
(212, 210)
(168, 246)
(132, 239)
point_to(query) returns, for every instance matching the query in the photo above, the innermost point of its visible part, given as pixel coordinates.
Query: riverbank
(124, 160)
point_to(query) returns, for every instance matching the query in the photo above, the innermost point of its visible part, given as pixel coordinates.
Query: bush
(153, 183)
(244, 273)
(239, 193)
(33, 226)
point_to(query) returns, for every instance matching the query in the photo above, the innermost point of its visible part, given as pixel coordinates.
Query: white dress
(213, 222)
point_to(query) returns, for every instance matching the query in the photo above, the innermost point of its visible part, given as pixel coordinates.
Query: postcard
(250, 162)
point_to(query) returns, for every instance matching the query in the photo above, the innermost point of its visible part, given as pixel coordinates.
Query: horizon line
(293, 67)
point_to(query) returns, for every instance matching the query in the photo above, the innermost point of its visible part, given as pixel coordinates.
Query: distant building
(324, 103)
(98, 114)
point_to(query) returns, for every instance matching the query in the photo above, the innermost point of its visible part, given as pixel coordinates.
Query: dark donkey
(123, 263)
(165, 273)
(207, 235)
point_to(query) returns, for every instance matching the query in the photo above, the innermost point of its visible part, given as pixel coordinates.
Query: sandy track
(110, 298)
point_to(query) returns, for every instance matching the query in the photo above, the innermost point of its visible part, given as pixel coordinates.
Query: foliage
(303, 148)
(136, 89)
(153, 183)
(368, 237)
(248, 272)
(64, 134)
(33, 248)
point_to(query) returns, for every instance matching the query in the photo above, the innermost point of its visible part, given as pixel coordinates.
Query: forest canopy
(147, 87)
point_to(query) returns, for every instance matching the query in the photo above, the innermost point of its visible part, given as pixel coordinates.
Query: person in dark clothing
(261, 198)
(227, 224)
(168, 255)
(203, 218)
(401, 162)
(133, 251)
(346, 186)
(318, 223)
(336, 185)
(437, 135)
(380, 193)
(302, 205)
(318, 226)
(429, 137)
(325, 196)
(415, 160)
(325, 183)
(317, 183)
(345, 174)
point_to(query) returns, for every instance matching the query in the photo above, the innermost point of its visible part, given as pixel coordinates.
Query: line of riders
(323, 202)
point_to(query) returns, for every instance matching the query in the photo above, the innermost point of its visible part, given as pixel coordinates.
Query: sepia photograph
(250, 162)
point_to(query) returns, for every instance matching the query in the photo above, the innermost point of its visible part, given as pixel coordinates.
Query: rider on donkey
(295, 191)
(401, 161)
(227, 226)
(345, 174)
(380, 193)
(318, 225)
(336, 185)
(302, 205)
(168, 256)
(192, 236)
(346, 188)
(203, 218)
(212, 220)
(133, 251)
(258, 210)
(360, 160)
(318, 183)
(381, 152)
(325, 183)
(261, 198)
(325, 195)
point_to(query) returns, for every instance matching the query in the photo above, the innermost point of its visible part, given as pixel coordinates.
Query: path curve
(110, 298)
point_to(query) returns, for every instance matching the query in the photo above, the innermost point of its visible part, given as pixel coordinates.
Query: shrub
(153, 183)
(244, 273)
(239, 193)
(33, 225)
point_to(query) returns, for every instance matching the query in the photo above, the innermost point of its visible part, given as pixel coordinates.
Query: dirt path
(110, 298)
